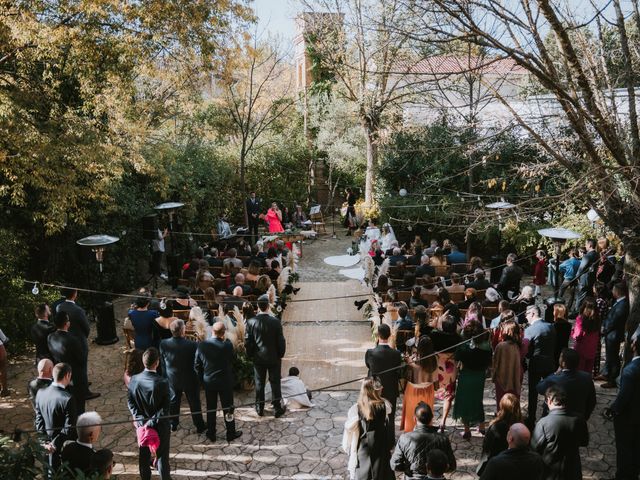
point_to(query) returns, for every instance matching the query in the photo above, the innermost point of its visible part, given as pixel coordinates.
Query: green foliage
(243, 368)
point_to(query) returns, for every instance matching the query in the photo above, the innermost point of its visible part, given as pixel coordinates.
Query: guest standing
(214, 367)
(41, 330)
(421, 381)
(586, 275)
(557, 438)
(253, 214)
(274, 219)
(562, 328)
(149, 403)
(77, 454)
(385, 359)
(586, 334)
(44, 379)
(374, 443)
(4, 377)
(509, 284)
(266, 345)
(539, 271)
(177, 356)
(475, 357)
(56, 413)
(507, 362)
(143, 320)
(445, 342)
(518, 461)
(613, 332)
(495, 440)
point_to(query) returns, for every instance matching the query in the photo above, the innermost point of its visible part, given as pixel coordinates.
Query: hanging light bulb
(427, 208)
(409, 228)
(458, 194)
(163, 304)
(35, 290)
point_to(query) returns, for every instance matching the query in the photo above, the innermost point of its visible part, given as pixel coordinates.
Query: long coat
(374, 448)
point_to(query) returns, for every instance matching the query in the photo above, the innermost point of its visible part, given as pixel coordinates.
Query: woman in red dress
(274, 219)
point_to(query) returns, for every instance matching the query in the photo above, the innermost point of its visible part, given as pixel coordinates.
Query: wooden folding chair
(182, 314)
(404, 296)
(456, 297)
(459, 268)
(442, 270)
(317, 219)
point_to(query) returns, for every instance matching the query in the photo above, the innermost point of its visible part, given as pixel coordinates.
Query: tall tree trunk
(243, 187)
(632, 272)
(372, 162)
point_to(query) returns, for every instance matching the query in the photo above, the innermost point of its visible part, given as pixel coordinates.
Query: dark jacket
(542, 345)
(516, 463)
(77, 456)
(35, 386)
(178, 355)
(494, 443)
(626, 403)
(148, 399)
(39, 333)
(479, 284)
(557, 438)
(613, 326)
(55, 415)
(67, 348)
(79, 324)
(423, 270)
(578, 385)
(586, 273)
(264, 340)
(382, 358)
(214, 364)
(253, 207)
(397, 259)
(410, 454)
(510, 280)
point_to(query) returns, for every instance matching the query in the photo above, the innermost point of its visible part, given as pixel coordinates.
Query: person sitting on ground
(456, 285)
(469, 298)
(404, 322)
(232, 258)
(416, 299)
(397, 258)
(239, 282)
(479, 282)
(77, 454)
(412, 452)
(518, 461)
(44, 379)
(293, 390)
(425, 268)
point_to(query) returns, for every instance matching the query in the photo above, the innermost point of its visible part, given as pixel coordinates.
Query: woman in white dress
(370, 234)
(388, 237)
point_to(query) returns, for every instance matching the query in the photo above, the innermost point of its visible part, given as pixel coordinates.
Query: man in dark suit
(613, 331)
(41, 330)
(518, 461)
(214, 366)
(626, 418)
(80, 329)
(56, 413)
(77, 454)
(45, 377)
(510, 278)
(397, 258)
(253, 216)
(66, 348)
(380, 359)
(586, 274)
(577, 385)
(238, 281)
(266, 345)
(149, 401)
(177, 354)
(542, 344)
(479, 282)
(558, 438)
(410, 454)
(425, 268)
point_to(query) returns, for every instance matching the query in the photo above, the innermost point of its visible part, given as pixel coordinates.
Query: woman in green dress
(473, 357)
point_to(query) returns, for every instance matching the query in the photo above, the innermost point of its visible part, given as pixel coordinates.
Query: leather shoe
(600, 378)
(92, 395)
(278, 412)
(174, 427)
(201, 429)
(211, 437)
(609, 385)
(260, 410)
(236, 434)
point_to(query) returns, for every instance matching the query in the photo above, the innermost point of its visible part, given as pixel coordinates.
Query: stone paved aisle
(300, 445)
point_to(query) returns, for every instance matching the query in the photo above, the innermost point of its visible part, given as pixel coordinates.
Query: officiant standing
(253, 216)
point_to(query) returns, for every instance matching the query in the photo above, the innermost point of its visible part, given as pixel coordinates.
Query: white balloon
(403, 192)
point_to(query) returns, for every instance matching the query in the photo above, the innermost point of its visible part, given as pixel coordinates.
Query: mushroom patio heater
(105, 318)
(558, 236)
(170, 209)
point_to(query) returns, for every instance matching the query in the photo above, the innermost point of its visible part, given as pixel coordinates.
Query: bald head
(45, 368)
(237, 291)
(219, 330)
(518, 436)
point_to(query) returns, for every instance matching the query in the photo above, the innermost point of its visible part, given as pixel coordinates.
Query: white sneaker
(164, 276)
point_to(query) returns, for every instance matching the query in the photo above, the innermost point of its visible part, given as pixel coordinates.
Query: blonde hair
(369, 399)
(559, 312)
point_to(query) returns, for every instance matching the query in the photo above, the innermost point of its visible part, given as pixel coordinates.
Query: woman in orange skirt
(421, 383)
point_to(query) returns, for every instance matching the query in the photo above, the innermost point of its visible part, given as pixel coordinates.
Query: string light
(35, 290)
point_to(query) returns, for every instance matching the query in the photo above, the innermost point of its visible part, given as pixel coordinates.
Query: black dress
(495, 441)
(563, 332)
(374, 448)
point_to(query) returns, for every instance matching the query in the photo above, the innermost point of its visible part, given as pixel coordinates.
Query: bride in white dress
(388, 237)
(370, 234)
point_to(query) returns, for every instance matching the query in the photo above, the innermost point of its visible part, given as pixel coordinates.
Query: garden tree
(83, 83)
(368, 65)
(333, 122)
(599, 145)
(256, 93)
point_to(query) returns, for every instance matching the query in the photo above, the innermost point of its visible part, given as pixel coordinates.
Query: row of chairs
(456, 297)
(489, 313)
(398, 271)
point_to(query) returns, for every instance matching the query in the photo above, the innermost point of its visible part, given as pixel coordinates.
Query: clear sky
(277, 17)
